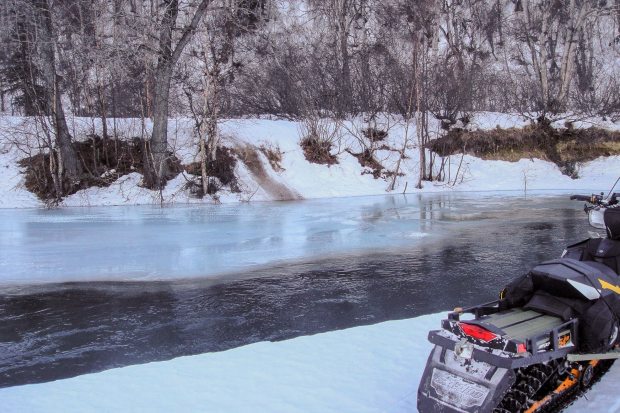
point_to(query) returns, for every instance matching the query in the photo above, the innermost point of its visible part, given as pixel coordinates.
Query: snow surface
(299, 178)
(373, 368)
(365, 369)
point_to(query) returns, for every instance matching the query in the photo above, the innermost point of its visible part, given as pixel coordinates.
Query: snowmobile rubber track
(531, 380)
(600, 371)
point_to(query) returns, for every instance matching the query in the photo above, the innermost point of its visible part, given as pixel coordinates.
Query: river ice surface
(152, 243)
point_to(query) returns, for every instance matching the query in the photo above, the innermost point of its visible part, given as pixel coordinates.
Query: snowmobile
(551, 333)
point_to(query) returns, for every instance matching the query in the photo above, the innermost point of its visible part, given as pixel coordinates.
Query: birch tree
(550, 31)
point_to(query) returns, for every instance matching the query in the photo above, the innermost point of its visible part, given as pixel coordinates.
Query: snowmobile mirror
(596, 217)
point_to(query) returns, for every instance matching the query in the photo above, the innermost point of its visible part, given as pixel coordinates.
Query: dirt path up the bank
(249, 155)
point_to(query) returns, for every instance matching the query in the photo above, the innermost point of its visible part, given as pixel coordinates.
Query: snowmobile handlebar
(597, 200)
(593, 199)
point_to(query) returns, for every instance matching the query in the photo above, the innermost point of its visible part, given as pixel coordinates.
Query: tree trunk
(155, 176)
(538, 54)
(27, 82)
(344, 101)
(70, 163)
(213, 114)
(578, 18)
(203, 162)
(68, 158)
(156, 168)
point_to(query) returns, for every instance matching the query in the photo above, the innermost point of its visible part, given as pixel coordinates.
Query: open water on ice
(84, 290)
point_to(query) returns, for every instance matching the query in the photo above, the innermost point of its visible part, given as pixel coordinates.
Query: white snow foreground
(373, 368)
(364, 369)
(298, 178)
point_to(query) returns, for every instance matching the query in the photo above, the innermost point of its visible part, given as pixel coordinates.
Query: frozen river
(152, 243)
(155, 283)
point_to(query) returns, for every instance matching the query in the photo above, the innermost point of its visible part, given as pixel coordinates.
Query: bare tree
(551, 36)
(67, 161)
(168, 55)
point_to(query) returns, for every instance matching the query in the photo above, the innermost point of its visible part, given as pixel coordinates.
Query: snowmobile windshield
(596, 217)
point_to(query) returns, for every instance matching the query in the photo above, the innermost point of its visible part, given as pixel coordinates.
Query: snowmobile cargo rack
(551, 343)
(503, 361)
(477, 310)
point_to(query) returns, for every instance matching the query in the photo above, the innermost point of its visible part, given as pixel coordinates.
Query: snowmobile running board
(612, 355)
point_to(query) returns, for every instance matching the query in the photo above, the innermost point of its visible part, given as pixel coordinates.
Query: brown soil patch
(278, 191)
(223, 168)
(103, 161)
(565, 147)
(318, 151)
(367, 160)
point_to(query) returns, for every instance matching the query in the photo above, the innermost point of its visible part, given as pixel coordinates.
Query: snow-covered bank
(298, 178)
(373, 368)
(366, 369)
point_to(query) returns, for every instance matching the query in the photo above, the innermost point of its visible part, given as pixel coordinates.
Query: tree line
(307, 59)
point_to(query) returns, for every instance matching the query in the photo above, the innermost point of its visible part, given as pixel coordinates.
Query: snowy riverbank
(373, 368)
(298, 178)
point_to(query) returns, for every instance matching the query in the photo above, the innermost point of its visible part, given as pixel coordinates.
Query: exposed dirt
(367, 160)
(274, 156)
(565, 147)
(103, 161)
(223, 169)
(318, 151)
(249, 156)
(374, 134)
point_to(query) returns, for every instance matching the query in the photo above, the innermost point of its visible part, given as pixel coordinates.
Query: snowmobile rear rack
(477, 310)
(524, 337)
(512, 362)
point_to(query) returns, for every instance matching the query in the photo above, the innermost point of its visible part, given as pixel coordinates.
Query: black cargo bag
(517, 293)
(596, 326)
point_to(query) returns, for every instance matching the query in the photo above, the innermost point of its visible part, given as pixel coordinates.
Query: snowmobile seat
(602, 250)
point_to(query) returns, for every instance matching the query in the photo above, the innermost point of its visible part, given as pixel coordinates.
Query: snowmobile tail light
(521, 348)
(596, 217)
(477, 332)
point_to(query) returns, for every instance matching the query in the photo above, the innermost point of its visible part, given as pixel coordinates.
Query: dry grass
(374, 134)
(367, 160)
